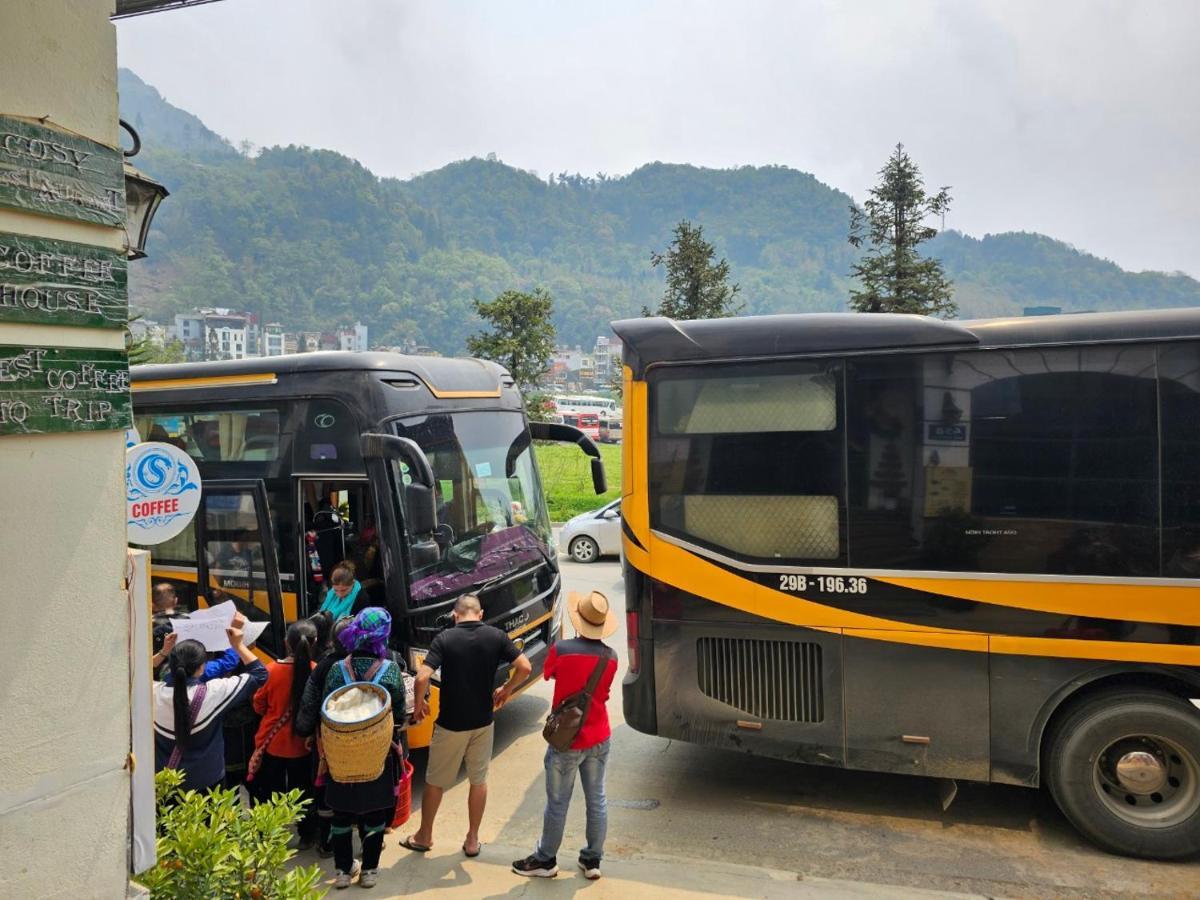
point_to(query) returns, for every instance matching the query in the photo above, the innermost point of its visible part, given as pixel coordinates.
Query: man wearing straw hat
(572, 664)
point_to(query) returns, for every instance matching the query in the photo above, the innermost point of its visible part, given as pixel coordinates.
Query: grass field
(567, 478)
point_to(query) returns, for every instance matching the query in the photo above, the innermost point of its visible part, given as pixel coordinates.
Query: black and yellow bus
(962, 549)
(420, 471)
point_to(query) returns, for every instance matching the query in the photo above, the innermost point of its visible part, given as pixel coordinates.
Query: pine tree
(893, 275)
(697, 287)
(521, 336)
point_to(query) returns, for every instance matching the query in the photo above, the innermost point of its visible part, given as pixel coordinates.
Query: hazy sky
(1077, 119)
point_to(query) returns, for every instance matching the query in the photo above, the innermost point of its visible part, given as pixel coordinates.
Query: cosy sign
(55, 173)
(44, 390)
(62, 283)
(162, 492)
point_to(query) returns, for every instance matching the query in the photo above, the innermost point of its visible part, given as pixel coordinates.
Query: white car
(591, 535)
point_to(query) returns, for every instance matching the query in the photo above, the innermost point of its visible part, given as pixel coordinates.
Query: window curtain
(232, 432)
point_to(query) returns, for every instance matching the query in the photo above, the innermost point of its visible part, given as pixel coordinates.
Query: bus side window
(1179, 384)
(1040, 461)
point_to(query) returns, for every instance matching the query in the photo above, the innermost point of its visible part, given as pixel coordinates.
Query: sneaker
(536, 868)
(590, 867)
(341, 880)
(368, 878)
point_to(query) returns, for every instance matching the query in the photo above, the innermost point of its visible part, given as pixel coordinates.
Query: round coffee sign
(162, 492)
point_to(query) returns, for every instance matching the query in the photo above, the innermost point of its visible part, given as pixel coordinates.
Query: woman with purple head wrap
(368, 633)
(368, 805)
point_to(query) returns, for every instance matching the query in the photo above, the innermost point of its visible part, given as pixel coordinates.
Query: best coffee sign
(45, 390)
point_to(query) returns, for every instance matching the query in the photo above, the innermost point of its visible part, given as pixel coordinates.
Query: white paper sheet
(208, 630)
(208, 627)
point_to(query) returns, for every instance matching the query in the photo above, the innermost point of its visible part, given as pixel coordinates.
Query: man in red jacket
(570, 664)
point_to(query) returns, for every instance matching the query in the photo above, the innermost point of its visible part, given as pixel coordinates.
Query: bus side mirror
(599, 481)
(420, 508)
(569, 434)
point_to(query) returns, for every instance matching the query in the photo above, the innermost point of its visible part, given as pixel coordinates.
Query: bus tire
(1124, 768)
(584, 549)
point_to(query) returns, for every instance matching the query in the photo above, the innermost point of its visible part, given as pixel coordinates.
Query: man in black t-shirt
(469, 654)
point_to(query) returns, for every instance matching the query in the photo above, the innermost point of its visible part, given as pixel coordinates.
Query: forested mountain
(312, 239)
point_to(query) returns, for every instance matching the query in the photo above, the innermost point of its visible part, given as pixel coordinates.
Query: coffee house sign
(62, 283)
(44, 281)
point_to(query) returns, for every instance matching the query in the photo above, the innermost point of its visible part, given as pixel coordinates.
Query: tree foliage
(697, 286)
(314, 240)
(521, 336)
(892, 275)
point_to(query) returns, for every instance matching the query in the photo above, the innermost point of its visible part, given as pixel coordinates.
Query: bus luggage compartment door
(915, 709)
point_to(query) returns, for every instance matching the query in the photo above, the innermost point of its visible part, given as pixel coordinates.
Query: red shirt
(271, 701)
(570, 664)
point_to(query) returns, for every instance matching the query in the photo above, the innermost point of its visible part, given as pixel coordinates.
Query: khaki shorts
(448, 749)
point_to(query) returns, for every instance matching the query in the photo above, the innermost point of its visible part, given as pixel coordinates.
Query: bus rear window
(747, 403)
(243, 435)
(747, 459)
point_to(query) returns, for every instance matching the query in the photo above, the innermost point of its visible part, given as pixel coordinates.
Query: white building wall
(64, 712)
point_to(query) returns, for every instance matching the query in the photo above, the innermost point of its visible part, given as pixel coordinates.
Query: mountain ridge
(312, 238)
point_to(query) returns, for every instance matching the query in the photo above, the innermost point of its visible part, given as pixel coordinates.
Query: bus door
(235, 556)
(339, 524)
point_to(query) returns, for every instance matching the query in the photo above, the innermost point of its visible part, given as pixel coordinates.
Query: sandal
(471, 855)
(409, 844)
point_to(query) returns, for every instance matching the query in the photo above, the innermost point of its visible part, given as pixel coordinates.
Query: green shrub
(210, 845)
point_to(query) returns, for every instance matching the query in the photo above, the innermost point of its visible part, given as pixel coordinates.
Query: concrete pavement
(686, 820)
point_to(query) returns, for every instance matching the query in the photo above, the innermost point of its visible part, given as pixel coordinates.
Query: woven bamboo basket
(357, 751)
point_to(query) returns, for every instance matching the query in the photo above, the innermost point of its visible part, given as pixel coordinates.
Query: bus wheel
(1124, 767)
(584, 549)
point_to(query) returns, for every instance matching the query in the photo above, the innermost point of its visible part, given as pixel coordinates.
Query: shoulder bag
(567, 717)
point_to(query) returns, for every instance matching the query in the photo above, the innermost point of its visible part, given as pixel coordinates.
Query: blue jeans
(560, 781)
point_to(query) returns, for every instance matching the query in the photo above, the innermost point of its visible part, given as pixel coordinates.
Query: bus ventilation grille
(768, 679)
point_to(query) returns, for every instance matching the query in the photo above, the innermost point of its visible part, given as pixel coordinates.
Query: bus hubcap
(1140, 772)
(1148, 780)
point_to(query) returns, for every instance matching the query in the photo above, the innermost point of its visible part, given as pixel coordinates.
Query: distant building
(354, 338)
(217, 333)
(606, 359)
(148, 329)
(274, 341)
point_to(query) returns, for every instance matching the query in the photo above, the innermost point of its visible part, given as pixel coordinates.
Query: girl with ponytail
(189, 711)
(281, 759)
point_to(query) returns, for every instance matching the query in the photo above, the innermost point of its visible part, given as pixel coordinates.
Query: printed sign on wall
(46, 390)
(55, 173)
(162, 492)
(62, 283)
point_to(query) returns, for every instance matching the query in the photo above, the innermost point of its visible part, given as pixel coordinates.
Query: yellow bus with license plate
(967, 550)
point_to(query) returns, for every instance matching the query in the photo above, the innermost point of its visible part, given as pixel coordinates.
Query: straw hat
(591, 615)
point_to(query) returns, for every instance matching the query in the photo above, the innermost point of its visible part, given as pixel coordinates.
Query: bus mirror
(420, 509)
(389, 446)
(423, 554)
(599, 481)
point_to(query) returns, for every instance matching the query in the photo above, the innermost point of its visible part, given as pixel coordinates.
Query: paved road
(689, 817)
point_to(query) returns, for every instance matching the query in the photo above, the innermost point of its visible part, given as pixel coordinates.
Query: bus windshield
(492, 517)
